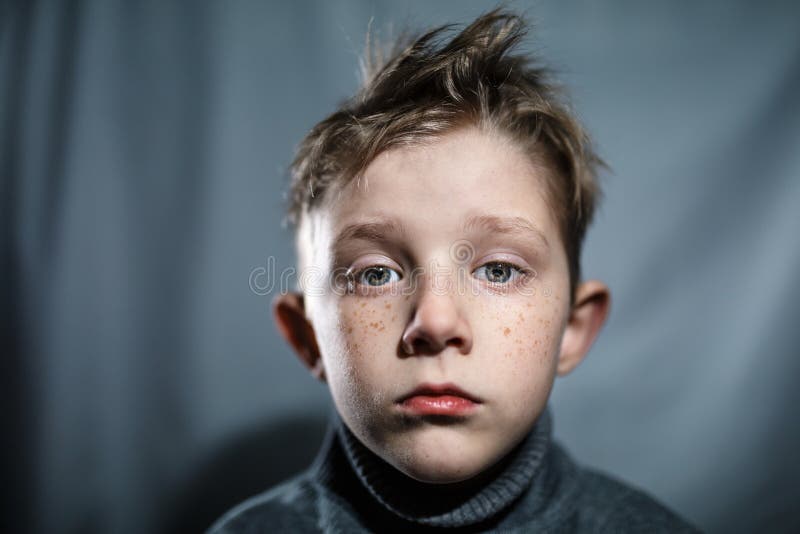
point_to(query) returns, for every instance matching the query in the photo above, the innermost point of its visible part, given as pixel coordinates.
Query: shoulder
(289, 506)
(607, 504)
(620, 507)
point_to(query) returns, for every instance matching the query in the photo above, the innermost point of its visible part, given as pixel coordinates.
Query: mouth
(438, 399)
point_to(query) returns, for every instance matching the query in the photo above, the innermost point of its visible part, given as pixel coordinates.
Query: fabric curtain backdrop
(143, 148)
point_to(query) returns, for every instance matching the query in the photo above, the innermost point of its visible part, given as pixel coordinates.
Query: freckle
(506, 331)
(363, 304)
(388, 306)
(350, 330)
(394, 317)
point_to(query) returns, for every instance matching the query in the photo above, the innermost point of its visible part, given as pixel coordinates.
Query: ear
(592, 302)
(290, 318)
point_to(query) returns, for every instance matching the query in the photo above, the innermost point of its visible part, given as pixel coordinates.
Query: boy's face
(456, 275)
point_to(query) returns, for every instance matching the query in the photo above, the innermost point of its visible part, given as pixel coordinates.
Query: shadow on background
(245, 466)
(143, 148)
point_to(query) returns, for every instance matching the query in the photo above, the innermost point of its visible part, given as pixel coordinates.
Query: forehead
(464, 180)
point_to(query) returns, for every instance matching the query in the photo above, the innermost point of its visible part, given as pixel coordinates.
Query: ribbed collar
(442, 505)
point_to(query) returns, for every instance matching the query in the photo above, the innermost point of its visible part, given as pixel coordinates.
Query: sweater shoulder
(289, 506)
(610, 505)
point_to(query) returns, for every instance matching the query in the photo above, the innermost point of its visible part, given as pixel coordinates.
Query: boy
(440, 215)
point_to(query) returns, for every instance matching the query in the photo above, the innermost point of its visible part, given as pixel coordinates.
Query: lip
(439, 399)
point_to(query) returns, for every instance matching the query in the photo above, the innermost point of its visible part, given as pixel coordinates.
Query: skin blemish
(388, 306)
(506, 331)
(363, 304)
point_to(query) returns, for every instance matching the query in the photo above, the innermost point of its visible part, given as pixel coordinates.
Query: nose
(437, 323)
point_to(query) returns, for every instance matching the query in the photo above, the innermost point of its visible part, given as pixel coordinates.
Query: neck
(454, 504)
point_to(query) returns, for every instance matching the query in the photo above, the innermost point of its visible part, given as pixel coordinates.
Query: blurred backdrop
(143, 148)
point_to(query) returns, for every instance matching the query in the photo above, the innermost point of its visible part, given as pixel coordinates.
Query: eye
(376, 275)
(498, 272)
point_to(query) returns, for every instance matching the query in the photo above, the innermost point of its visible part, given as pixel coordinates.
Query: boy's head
(440, 215)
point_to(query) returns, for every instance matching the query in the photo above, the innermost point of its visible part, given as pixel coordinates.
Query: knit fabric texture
(443, 506)
(536, 487)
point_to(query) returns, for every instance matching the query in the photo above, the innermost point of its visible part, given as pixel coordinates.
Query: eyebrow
(379, 230)
(506, 225)
(370, 231)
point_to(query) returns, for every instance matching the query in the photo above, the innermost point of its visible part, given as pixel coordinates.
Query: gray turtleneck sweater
(536, 488)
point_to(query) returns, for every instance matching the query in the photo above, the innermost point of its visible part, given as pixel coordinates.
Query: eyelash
(521, 272)
(356, 277)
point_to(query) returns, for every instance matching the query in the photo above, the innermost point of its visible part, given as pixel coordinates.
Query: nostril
(464, 345)
(456, 342)
(421, 345)
(434, 328)
(425, 345)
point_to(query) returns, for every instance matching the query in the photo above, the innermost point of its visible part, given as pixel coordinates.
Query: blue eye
(498, 272)
(377, 275)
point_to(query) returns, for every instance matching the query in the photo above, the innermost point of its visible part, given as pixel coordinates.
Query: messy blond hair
(429, 85)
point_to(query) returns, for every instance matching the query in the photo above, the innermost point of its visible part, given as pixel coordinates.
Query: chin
(439, 466)
(437, 474)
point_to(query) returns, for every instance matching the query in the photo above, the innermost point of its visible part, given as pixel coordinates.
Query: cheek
(526, 336)
(367, 333)
(369, 326)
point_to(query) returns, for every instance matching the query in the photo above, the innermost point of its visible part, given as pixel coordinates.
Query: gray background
(143, 148)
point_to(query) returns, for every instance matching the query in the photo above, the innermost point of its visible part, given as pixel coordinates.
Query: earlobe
(290, 318)
(588, 314)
